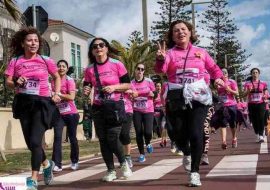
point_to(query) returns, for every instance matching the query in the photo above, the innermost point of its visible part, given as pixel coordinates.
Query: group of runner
(181, 107)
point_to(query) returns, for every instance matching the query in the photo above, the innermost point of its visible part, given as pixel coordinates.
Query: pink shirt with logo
(158, 104)
(257, 90)
(36, 70)
(109, 74)
(128, 103)
(143, 103)
(66, 106)
(199, 64)
(227, 98)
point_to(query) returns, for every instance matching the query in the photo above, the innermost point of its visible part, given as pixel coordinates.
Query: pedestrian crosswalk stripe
(235, 165)
(263, 182)
(80, 174)
(264, 147)
(156, 170)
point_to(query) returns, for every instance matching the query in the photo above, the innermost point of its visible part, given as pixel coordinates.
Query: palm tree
(11, 8)
(136, 53)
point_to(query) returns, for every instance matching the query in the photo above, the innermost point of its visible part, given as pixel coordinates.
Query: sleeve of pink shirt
(87, 77)
(71, 85)
(121, 69)
(10, 68)
(52, 67)
(162, 66)
(211, 67)
(234, 85)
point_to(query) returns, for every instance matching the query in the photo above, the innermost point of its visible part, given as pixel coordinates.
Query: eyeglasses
(101, 45)
(140, 69)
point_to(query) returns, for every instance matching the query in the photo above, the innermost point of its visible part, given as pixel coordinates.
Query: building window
(76, 59)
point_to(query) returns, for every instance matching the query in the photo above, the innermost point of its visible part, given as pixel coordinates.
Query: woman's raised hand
(161, 52)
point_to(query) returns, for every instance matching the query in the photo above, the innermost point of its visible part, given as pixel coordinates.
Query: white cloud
(247, 34)
(250, 8)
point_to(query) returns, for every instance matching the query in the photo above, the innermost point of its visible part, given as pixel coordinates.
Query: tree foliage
(217, 21)
(170, 10)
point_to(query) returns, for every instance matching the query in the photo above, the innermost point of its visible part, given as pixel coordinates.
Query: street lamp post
(193, 10)
(226, 59)
(145, 29)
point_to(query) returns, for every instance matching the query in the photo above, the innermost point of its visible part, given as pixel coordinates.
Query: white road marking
(263, 182)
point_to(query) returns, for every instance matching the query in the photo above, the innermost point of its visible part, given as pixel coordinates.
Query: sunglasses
(101, 45)
(140, 69)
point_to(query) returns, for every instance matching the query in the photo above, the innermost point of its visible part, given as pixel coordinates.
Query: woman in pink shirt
(70, 117)
(113, 81)
(143, 107)
(257, 93)
(227, 95)
(185, 64)
(28, 73)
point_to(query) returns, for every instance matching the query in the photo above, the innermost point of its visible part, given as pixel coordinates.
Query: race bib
(141, 103)
(63, 107)
(256, 97)
(191, 75)
(30, 87)
(107, 96)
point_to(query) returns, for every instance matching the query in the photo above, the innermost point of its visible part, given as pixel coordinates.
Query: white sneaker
(261, 139)
(57, 169)
(187, 163)
(74, 166)
(110, 176)
(204, 159)
(194, 179)
(257, 138)
(179, 152)
(126, 171)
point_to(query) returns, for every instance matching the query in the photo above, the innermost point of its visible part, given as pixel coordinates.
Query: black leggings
(206, 130)
(125, 132)
(188, 127)
(256, 116)
(109, 139)
(33, 131)
(143, 123)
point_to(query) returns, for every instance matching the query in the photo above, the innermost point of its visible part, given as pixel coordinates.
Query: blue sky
(116, 19)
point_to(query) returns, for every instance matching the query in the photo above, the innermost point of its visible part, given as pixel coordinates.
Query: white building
(69, 43)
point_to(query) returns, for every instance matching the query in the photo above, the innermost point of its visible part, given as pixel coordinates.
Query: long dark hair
(170, 42)
(112, 52)
(18, 39)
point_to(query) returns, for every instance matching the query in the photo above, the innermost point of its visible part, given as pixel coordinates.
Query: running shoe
(204, 159)
(179, 152)
(141, 158)
(165, 142)
(57, 169)
(129, 161)
(187, 163)
(110, 176)
(224, 146)
(149, 148)
(257, 138)
(234, 143)
(261, 139)
(48, 173)
(74, 166)
(173, 147)
(194, 179)
(126, 171)
(161, 144)
(31, 184)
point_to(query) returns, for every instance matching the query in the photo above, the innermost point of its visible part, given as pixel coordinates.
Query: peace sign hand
(161, 53)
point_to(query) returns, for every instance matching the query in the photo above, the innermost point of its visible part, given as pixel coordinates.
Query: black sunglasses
(140, 69)
(101, 45)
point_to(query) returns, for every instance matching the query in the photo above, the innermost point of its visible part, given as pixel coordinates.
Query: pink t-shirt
(199, 64)
(158, 104)
(36, 70)
(67, 85)
(109, 74)
(128, 104)
(143, 103)
(228, 99)
(256, 89)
